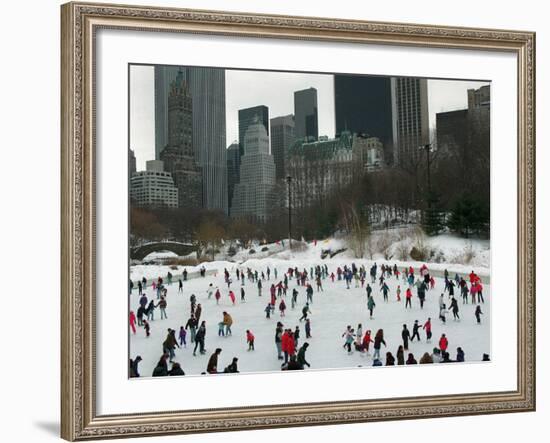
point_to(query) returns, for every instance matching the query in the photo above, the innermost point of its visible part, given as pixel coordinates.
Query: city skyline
(245, 89)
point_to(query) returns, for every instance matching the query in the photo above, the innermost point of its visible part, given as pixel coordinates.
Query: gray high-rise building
(306, 114)
(410, 119)
(233, 166)
(207, 86)
(178, 155)
(207, 90)
(282, 138)
(254, 195)
(249, 116)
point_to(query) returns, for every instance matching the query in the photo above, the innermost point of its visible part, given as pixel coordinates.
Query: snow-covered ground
(332, 310)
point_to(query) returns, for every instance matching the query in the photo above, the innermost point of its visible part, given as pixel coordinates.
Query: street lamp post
(289, 180)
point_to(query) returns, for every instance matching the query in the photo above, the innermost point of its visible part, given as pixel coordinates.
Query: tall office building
(207, 86)
(233, 166)
(410, 119)
(282, 138)
(395, 110)
(363, 106)
(254, 195)
(207, 90)
(178, 155)
(306, 114)
(247, 117)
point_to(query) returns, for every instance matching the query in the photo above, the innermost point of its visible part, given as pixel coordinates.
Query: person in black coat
(416, 328)
(161, 369)
(406, 336)
(176, 370)
(459, 354)
(400, 356)
(292, 365)
(140, 313)
(454, 308)
(421, 292)
(134, 371)
(199, 339)
(390, 359)
(232, 368)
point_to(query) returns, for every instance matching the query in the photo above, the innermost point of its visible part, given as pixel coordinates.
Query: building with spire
(207, 90)
(178, 155)
(254, 195)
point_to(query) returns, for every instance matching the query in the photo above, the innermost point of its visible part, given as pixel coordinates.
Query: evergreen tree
(469, 216)
(433, 217)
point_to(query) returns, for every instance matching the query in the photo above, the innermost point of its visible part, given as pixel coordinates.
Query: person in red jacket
(232, 297)
(443, 343)
(472, 277)
(250, 340)
(291, 343)
(408, 297)
(479, 287)
(284, 345)
(133, 321)
(367, 341)
(428, 327)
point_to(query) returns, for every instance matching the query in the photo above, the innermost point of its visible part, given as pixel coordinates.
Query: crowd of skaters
(287, 339)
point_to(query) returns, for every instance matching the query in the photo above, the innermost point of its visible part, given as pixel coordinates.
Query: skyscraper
(207, 90)
(363, 106)
(233, 165)
(393, 109)
(207, 86)
(164, 76)
(410, 118)
(254, 195)
(178, 155)
(305, 114)
(247, 117)
(282, 137)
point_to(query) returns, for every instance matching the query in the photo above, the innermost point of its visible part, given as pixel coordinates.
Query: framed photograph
(273, 221)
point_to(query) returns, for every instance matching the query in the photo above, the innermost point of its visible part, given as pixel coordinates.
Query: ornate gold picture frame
(80, 22)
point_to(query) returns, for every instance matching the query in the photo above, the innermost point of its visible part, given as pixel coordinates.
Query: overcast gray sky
(244, 89)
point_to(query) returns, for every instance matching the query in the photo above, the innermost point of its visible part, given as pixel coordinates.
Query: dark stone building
(179, 156)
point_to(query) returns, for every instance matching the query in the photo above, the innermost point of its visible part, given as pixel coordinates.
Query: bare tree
(209, 234)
